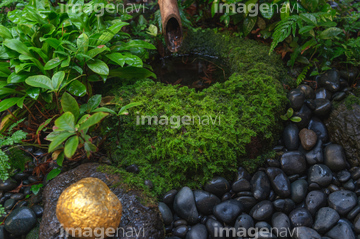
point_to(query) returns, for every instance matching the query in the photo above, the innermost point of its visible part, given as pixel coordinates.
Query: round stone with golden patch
(88, 207)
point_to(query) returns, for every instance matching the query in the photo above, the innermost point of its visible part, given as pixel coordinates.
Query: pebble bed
(309, 191)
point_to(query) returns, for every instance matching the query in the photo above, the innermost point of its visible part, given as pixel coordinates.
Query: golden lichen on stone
(88, 205)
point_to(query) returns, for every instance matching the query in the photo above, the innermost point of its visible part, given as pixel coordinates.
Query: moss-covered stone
(231, 123)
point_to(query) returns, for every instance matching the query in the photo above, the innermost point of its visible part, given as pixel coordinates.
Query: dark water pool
(193, 71)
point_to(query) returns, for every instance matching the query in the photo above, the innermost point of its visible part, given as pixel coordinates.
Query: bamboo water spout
(171, 24)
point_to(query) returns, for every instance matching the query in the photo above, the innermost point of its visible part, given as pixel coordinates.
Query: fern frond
(283, 29)
(4, 166)
(301, 77)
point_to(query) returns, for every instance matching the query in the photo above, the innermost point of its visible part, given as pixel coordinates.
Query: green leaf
(118, 58)
(77, 88)
(295, 119)
(134, 44)
(110, 33)
(104, 109)
(249, 24)
(5, 33)
(69, 104)
(7, 103)
(41, 81)
(52, 63)
(36, 188)
(57, 79)
(60, 159)
(17, 46)
(83, 43)
(71, 146)
(33, 93)
(53, 173)
(16, 78)
(93, 102)
(92, 120)
(89, 147)
(96, 51)
(59, 140)
(65, 122)
(289, 112)
(98, 67)
(132, 60)
(267, 10)
(128, 106)
(330, 33)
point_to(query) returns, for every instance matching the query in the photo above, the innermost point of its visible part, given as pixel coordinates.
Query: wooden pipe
(171, 24)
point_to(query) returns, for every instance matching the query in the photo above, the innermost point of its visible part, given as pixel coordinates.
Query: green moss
(248, 106)
(351, 100)
(130, 182)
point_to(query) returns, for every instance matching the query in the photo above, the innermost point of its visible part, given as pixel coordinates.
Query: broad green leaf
(33, 92)
(96, 51)
(110, 33)
(118, 58)
(66, 63)
(20, 102)
(295, 119)
(89, 147)
(5, 90)
(134, 44)
(98, 67)
(71, 146)
(41, 81)
(306, 29)
(60, 159)
(65, 122)
(93, 102)
(7, 103)
(77, 88)
(83, 43)
(17, 46)
(36, 188)
(132, 60)
(92, 120)
(57, 79)
(249, 24)
(128, 106)
(69, 104)
(52, 63)
(104, 109)
(309, 18)
(266, 10)
(289, 112)
(5, 33)
(53, 173)
(330, 33)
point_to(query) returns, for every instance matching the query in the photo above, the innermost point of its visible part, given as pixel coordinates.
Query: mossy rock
(248, 105)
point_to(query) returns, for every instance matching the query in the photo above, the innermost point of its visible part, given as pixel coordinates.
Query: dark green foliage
(248, 105)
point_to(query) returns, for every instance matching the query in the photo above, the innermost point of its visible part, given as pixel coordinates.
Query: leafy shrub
(48, 52)
(6, 141)
(247, 105)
